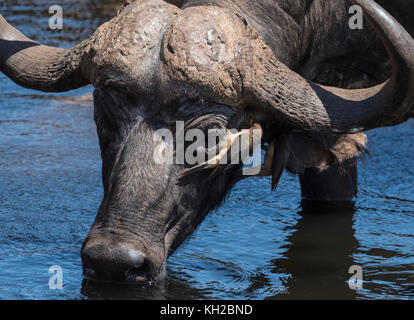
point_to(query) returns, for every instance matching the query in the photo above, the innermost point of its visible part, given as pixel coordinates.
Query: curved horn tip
(40, 67)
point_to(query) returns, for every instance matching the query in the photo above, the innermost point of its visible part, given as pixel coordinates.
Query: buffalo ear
(349, 146)
(319, 151)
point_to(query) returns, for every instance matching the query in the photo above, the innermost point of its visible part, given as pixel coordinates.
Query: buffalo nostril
(103, 262)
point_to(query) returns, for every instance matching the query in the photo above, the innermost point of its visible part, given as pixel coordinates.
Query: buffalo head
(158, 67)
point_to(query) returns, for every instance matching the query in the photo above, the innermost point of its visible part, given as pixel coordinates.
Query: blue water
(258, 245)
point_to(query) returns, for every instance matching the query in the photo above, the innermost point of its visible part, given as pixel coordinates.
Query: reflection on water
(171, 288)
(319, 252)
(258, 245)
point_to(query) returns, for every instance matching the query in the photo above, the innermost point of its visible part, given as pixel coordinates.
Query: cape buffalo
(292, 68)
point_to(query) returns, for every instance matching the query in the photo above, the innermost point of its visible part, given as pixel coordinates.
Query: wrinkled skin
(132, 61)
(146, 208)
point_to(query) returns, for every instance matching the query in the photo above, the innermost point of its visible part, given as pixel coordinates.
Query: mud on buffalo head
(158, 67)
